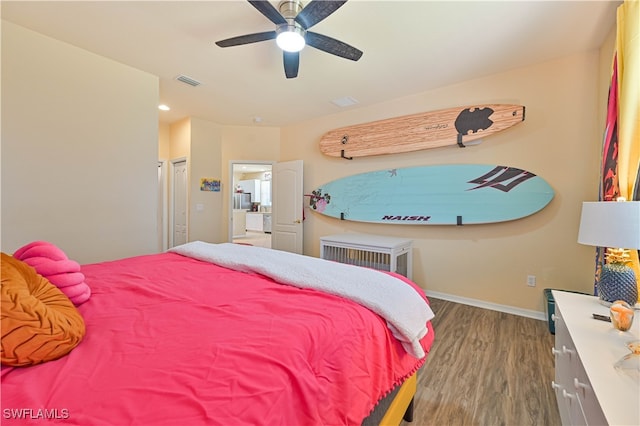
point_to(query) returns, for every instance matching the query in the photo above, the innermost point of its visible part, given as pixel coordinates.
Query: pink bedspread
(176, 341)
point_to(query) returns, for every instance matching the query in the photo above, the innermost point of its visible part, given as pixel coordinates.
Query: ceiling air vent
(188, 80)
(344, 102)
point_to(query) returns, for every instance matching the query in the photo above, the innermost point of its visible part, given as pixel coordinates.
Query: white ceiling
(409, 47)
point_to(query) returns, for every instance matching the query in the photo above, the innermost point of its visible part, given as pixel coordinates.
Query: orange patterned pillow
(38, 322)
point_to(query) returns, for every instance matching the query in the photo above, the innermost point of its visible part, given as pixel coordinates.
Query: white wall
(79, 149)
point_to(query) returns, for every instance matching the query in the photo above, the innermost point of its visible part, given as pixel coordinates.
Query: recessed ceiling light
(163, 107)
(344, 102)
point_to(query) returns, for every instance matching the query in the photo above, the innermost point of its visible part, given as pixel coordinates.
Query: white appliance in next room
(241, 201)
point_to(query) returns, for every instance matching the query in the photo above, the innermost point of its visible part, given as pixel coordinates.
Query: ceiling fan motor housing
(289, 9)
(290, 36)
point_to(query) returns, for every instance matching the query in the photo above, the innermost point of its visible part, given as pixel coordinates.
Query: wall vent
(188, 80)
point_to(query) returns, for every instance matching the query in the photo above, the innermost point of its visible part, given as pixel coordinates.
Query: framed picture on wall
(209, 184)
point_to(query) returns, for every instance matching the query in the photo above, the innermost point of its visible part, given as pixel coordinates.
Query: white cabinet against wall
(255, 222)
(259, 222)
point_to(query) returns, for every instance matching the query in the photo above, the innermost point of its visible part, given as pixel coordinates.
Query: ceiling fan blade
(333, 46)
(269, 11)
(291, 63)
(316, 11)
(246, 39)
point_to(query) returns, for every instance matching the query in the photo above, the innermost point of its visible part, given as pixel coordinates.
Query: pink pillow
(53, 264)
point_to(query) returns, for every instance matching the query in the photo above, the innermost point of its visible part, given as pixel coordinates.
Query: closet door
(180, 183)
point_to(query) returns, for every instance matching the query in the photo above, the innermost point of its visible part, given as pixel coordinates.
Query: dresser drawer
(586, 397)
(566, 364)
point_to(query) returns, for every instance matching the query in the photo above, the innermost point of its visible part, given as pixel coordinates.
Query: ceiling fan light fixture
(293, 20)
(290, 37)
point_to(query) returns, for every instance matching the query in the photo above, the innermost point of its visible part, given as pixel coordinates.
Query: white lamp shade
(610, 224)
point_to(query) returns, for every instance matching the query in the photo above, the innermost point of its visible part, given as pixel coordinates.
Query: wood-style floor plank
(486, 368)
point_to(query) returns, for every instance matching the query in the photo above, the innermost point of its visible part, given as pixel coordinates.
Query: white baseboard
(488, 305)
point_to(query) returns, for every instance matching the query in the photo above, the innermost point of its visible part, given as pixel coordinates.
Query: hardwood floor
(486, 368)
(260, 239)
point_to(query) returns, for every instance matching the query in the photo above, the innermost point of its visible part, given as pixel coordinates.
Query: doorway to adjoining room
(251, 203)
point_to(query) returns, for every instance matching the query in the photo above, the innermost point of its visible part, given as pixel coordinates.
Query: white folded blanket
(405, 311)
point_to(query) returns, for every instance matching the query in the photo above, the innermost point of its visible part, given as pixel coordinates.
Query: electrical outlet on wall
(531, 280)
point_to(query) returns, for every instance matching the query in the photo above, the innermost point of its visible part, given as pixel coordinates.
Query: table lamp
(615, 225)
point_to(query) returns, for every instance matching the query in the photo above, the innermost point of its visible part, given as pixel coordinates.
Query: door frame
(232, 163)
(163, 206)
(172, 166)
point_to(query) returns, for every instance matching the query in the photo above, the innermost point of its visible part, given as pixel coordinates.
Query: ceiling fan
(293, 21)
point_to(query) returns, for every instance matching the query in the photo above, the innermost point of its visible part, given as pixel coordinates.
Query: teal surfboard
(458, 194)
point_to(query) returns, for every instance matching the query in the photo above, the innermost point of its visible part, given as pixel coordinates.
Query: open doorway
(250, 204)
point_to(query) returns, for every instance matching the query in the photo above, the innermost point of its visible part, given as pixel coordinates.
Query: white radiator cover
(372, 251)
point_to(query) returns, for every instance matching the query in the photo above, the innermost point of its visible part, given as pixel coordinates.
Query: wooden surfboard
(421, 131)
(458, 194)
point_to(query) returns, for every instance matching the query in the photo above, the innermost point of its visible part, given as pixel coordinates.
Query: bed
(224, 334)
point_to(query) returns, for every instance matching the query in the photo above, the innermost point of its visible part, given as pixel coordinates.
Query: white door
(180, 203)
(287, 198)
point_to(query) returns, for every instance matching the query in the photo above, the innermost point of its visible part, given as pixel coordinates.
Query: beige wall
(245, 143)
(164, 141)
(559, 140)
(208, 148)
(180, 139)
(205, 207)
(79, 149)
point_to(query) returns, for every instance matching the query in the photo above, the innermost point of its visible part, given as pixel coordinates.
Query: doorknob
(296, 221)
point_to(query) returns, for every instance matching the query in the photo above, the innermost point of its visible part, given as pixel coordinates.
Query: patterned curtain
(620, 170)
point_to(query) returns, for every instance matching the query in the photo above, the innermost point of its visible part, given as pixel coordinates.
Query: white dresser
(589, 390)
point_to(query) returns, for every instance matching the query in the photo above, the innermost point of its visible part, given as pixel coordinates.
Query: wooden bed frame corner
(401, 407)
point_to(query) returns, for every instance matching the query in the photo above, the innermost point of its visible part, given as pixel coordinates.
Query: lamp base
(617, 282)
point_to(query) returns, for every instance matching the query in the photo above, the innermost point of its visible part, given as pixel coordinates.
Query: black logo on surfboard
(502, 178)
(472, 121)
